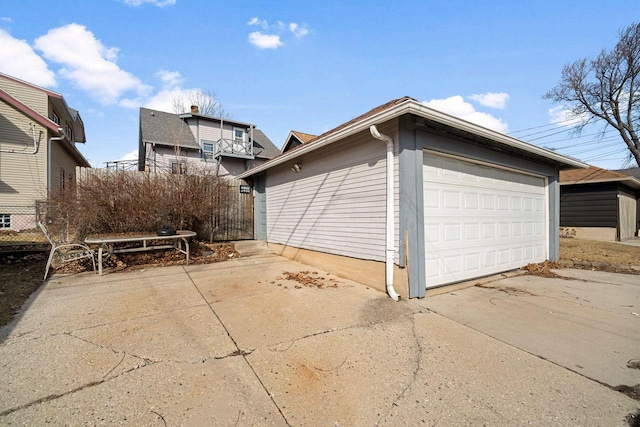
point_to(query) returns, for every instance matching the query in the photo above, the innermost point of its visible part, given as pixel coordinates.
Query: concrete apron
(235, 343)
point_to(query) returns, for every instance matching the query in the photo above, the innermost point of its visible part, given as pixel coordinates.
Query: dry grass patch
(599, 252)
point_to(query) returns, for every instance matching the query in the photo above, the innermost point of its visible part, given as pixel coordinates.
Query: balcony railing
(234, 148)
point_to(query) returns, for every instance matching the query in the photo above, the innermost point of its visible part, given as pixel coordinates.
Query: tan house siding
(34, 98)
(22, 174)
(337, 203)
(62, 166)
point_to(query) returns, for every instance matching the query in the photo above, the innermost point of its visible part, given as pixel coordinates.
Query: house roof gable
(299, 137)
(29, 112)
(158, 127)
(58, 101)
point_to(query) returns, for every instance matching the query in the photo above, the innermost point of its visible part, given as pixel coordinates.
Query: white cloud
(169, 78)
(166, 98)
(6, 19)
(297, 30)
(88, 63)
(131, 155)
(561, 115)
(271, 36)
(18, 59)
(259, 22)
(159, 3)
(456, 106)
(491, 99)
(265, 41)
(171, 92)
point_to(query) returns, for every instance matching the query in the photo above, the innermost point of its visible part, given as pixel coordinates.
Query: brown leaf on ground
(306, 279)
(542, 269)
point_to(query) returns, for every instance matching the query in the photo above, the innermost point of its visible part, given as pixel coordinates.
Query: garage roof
(593, 175)
(408, 105)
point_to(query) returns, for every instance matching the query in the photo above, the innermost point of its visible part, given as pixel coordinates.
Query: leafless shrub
(117, 201)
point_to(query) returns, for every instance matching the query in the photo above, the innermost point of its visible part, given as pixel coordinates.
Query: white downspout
(390, 213)
(53, 138)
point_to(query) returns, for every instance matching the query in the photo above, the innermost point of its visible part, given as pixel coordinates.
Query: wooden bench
(178, 240)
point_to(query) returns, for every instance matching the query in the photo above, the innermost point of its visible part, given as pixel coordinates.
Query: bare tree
(606, 88)
(206, 101)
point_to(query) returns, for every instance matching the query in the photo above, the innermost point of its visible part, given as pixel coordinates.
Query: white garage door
(480, 220)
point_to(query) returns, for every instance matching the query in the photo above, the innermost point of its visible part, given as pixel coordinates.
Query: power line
(541, 126)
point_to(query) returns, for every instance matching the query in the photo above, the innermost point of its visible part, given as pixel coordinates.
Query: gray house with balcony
(176, 143)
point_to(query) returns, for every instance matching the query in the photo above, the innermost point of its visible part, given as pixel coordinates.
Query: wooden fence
(233, 218)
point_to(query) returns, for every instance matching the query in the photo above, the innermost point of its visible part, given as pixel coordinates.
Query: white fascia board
(440, 117)
(421, 110)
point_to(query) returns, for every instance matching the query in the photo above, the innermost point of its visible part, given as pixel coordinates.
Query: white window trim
(5, 221)
(181, 170)
(208, 154)
(239, 146)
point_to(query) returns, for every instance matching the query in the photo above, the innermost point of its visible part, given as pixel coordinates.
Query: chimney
(194, 109)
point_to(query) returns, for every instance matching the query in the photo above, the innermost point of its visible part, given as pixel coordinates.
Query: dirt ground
(21, 272)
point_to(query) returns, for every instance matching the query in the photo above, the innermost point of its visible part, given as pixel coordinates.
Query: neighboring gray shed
(467, 201)
(599, 204)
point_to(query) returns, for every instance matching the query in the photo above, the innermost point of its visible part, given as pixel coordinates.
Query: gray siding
(589, 205)
(337, 203)
(260, 208)
(211, 131)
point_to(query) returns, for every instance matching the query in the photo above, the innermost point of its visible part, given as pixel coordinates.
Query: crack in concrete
(239, 351)
(345, 328)
(145, 359)
(77, 389)
(414, 377)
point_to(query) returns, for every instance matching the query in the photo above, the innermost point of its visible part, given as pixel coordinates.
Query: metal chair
(67, 251)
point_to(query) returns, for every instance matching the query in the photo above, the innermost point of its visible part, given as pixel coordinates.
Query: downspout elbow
(390, 219)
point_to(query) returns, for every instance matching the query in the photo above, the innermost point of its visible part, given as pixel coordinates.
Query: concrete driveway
(236, 343)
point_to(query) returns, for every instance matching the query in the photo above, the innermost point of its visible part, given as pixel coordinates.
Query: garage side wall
(336, 203)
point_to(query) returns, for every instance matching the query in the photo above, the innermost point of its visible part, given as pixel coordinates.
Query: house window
(178, 167)
(69, 132)
(207, 150)
(55, 118)
(239, 139)
(5, 221)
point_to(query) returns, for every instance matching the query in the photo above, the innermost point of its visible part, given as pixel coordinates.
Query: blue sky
(310, 66)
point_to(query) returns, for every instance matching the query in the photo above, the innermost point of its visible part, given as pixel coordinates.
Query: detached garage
(406, 198)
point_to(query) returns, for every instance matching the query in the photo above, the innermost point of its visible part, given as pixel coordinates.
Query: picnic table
(179, 242)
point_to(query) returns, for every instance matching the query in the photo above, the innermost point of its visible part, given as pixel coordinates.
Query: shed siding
(337, 203)
(589, 205)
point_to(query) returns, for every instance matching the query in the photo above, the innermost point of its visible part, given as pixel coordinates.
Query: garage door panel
(480, 220)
